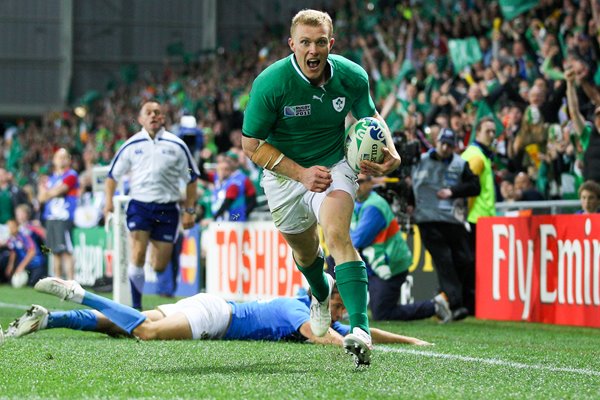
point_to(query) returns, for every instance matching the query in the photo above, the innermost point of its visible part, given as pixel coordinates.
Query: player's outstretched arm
(316, 178)
(380, 336)
(331, 337)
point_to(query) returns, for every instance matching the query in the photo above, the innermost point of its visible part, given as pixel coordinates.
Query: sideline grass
(471, 359)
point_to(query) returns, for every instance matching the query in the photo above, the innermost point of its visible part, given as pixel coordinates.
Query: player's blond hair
(312, 18)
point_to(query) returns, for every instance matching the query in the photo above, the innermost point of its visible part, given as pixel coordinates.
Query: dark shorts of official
(161, 220)
(58, 236)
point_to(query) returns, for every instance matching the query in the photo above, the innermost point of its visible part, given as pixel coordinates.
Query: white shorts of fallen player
(295, 209)
(208, 315)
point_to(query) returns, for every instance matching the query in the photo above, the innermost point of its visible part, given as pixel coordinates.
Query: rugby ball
(19, 279)
(365, 141)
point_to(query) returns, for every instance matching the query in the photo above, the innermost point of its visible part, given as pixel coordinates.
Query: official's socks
(123, 316)
(352, 283)
(83, 320)
(315, 276)
(136, 281)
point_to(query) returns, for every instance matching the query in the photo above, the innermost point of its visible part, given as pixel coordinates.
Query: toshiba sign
(539, 269)
(248, 261)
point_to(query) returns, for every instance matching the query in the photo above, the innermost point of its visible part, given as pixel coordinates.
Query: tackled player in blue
(201, 317)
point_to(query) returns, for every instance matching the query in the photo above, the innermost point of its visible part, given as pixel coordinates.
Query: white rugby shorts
(208, 315)
(294, 208)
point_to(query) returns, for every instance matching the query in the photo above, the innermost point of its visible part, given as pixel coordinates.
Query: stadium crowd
(433, 64)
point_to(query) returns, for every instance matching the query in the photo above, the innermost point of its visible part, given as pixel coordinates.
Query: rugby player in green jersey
(294, 129)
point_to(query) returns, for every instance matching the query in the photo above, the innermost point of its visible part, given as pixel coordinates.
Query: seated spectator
(88, 213)
(191, 134)
(28, 226)
(229, 197)
(234, 158)
(6, 201)
(376, 235)
(532, 137)
(507, 189)
(589, 195)
(524, 189)
(25, 255)
(587, 131)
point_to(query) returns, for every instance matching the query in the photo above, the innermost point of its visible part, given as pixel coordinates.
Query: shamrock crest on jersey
(339, 103)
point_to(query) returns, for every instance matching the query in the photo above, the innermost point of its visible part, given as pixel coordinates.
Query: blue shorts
(161, 220)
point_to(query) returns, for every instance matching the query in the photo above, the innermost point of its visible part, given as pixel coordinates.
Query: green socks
(315, 275)
(352, 283)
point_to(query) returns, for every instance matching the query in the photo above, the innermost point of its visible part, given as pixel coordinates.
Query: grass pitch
(471, 359)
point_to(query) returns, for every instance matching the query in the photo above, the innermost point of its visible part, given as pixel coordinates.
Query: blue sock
(83, 320)
(123, 316)
(136, 296)
(136, 282)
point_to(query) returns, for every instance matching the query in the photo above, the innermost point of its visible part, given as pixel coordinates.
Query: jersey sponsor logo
(138, 151)
(170, 152)
(339, 103)
(297, 111)
(315, 97)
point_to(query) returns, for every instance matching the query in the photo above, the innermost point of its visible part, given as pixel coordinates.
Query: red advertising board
(251, 260)
(539, 269)
(245, 261)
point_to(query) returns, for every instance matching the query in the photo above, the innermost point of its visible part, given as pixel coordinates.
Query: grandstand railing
(553, 206)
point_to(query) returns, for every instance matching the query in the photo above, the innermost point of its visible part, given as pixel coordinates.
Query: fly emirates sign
(540, 269)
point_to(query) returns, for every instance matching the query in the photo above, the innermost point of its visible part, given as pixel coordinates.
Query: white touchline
(490, 361)
(16, 306)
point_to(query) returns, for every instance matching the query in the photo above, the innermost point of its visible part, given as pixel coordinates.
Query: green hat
(233, 155)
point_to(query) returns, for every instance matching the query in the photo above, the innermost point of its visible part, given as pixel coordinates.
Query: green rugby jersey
(306, 122)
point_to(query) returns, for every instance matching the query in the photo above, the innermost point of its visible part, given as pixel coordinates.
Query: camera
(397, 190)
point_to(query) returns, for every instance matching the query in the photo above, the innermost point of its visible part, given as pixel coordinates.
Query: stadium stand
(430, 67)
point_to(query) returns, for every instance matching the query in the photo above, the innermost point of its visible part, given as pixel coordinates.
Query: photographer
(441, 182)
(376, 235)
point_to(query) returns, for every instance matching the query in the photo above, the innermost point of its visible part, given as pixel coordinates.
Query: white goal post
(117, 235)
(120, 250)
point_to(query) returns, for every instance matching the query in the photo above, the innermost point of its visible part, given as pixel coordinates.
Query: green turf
(471, 359)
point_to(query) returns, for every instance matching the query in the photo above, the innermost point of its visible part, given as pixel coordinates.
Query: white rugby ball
(365, 141)
(19, 280)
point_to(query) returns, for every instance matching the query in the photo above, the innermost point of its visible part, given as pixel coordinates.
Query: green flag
(464, 52)
(513, 8)
(406, 69)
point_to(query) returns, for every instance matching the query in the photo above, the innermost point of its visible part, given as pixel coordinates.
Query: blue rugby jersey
(277, 319)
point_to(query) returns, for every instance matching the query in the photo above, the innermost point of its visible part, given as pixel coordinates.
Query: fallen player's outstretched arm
(331, 337)
(381, 336)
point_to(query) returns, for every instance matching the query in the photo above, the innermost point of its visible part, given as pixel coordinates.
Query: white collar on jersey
(158, 134)
(299, 71)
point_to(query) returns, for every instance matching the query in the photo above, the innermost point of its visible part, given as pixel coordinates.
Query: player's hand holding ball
(390, 163)
(366, 150)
